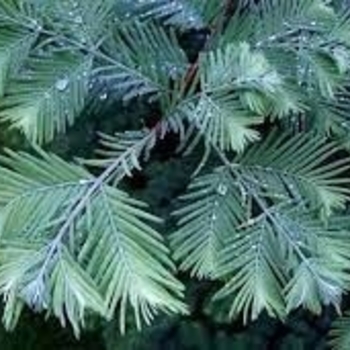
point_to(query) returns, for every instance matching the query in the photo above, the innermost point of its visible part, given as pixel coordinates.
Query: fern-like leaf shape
(239, 68)
(148, 58)
(213, 213)
(252, 258)
(48, 98)
(300, 168)
(84, 245)
(285, 259)
(15, 46)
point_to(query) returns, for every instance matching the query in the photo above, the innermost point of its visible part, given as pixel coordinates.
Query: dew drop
(222, 190)
(191, 19)
(103, 96)
(36, 25)
(62, 84)
(250, 222)
(78, 20)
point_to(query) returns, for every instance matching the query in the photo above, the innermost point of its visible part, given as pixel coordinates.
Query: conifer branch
(93, 187)
(261, 223)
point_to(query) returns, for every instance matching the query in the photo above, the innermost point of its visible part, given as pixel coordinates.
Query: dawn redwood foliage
(261, 89)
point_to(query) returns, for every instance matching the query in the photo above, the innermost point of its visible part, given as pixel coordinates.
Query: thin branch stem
(261, 203)
(81, 203)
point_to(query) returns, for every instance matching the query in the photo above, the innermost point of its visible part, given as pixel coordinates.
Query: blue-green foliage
(260, 112)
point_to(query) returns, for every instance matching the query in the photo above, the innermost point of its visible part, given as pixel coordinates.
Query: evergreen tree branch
(93, 187)
(327, 278)
(67, 268)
